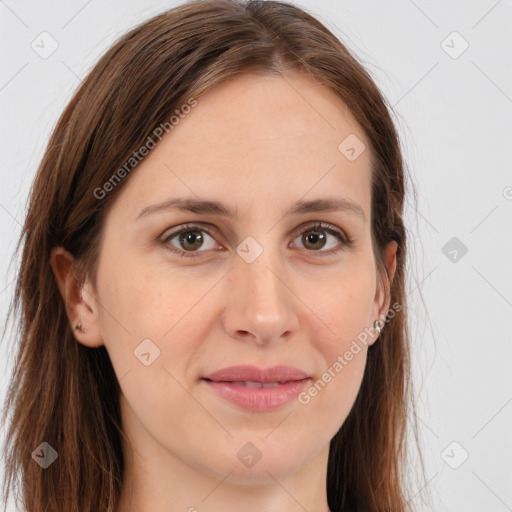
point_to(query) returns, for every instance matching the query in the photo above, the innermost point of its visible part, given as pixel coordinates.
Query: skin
(259, 144)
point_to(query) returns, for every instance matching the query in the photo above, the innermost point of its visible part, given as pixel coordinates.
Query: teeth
(253, 384)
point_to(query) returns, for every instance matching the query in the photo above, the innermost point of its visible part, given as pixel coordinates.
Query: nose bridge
(262, 285)
(258, 266)
(261, 305)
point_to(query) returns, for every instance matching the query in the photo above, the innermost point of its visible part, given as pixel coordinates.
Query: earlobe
(81, 313)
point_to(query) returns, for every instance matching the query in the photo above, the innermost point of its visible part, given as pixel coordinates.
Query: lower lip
(258, 399)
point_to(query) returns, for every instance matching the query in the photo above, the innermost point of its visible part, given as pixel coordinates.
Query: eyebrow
(204, 206)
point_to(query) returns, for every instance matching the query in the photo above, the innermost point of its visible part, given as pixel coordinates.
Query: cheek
(344, 306)
(139, 304)
(332, 396)
(152, 330)
(345, 311)
(344, 355)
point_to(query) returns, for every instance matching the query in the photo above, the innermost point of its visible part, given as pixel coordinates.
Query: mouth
(253, 384)
(253, 375)
(256, 390)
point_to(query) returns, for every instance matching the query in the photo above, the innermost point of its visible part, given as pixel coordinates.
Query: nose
(261, 307)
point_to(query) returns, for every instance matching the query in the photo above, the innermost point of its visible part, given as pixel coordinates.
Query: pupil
(314, 237)
(190, 237)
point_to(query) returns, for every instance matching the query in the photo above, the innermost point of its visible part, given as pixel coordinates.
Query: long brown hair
(66, 394)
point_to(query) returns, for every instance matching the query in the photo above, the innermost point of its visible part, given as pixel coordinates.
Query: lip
(227, 383)
(280, 373)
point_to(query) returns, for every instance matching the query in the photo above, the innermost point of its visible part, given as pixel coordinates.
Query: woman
(211, 290)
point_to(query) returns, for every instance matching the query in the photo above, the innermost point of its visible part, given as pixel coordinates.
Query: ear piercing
(79, 324)
(80, 328)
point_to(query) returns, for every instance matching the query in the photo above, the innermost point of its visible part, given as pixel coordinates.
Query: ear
(382, 299)
(80, 302)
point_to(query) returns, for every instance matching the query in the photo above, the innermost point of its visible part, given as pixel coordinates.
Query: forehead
(270, 138)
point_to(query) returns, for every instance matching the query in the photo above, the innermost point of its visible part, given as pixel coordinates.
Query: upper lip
(280, 373)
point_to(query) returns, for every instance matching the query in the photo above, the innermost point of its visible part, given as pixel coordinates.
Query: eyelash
(346, 242)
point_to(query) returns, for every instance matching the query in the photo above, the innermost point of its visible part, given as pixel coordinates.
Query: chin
(252, 466)
(262, 472)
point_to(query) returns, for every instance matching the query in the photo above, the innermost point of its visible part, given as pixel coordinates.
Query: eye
(190, 238)
(316, 238)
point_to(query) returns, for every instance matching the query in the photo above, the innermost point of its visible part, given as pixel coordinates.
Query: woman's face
(261, 287)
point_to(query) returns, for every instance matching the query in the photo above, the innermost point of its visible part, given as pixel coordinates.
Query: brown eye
(313, 239)
(324, 239)
(191, 240)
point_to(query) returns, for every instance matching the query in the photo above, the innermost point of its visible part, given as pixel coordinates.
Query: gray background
(453, 111)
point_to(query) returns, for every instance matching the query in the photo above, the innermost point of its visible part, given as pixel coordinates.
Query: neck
(156, 480)
(181, 488)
